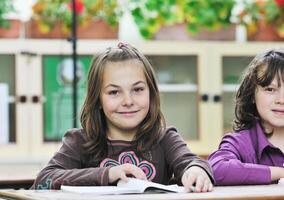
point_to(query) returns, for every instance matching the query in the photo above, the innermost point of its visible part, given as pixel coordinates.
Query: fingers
(123, 177)
(198, 177)
(133, 170)
(203, 184)
(121, 172)
(188, 180)
(210, 188)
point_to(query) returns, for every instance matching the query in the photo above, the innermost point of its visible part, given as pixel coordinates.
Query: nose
(280, 97)
(127, 100)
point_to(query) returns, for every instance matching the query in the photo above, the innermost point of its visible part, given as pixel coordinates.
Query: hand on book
(196, 176)
(121, 172)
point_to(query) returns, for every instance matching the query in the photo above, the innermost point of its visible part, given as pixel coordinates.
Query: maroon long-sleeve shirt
(71, 166)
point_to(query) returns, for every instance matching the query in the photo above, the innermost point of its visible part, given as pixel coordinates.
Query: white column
(4, 113)
(128, 30)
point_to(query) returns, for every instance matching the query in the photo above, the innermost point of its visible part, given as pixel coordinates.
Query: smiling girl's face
(125, 98)
(269, 102)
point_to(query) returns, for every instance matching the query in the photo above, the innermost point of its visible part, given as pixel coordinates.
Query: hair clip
(121, 44)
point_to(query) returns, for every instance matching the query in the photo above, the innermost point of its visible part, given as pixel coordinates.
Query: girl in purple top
(253, 154)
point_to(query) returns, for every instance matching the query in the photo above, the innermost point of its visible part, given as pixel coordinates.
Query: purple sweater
(244, 158)
(71, 166)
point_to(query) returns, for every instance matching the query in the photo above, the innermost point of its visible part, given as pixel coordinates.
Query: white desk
(220, 193)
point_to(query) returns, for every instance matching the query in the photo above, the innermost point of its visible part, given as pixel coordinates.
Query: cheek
(146, 101)
(109, 105)
(262, 101)
(263, 104)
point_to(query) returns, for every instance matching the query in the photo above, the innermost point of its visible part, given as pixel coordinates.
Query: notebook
(131, 187)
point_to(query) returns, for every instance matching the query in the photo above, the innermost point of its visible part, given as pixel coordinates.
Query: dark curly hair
(271, 63)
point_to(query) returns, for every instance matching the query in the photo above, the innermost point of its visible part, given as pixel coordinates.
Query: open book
(132, 186)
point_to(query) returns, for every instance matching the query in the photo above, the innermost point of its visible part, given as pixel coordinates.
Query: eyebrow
(117, 86)
(274, 83)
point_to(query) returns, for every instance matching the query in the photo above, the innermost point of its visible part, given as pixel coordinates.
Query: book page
(143, 185)
(98, 190)
(132, 186)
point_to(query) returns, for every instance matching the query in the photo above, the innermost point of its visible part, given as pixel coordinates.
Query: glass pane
(233, 67)
(180, 110)
(175, 69)
(178, 105)
(228, 111)
(7, 109)
(57, 88)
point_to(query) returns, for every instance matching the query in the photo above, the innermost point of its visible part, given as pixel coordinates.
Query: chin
(277, 125)
(128, 128)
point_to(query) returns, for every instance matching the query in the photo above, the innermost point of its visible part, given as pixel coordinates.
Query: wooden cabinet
(197, 81)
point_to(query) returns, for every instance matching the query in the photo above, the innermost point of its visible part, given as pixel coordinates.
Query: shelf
(230, 87)
(178, 87)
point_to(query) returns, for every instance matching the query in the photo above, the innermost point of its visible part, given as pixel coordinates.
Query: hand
(198, 176)
(276, 173)
(121, 172)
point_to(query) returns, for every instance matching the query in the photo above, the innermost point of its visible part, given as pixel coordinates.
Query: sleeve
(230, 163)
(66, 167)
(179, 157)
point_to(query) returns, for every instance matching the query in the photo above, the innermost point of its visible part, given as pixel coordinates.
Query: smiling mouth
(281, 112)
(128, 112)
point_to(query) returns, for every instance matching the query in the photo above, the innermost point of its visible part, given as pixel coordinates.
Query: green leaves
(151, 15)
(267, 11)
(6, 6)
(47, 12)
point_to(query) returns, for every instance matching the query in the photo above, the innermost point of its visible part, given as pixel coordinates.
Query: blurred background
(199, 49)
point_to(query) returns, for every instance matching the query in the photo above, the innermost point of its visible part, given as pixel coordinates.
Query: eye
(269, 89)
(113, 92)
(138, 89)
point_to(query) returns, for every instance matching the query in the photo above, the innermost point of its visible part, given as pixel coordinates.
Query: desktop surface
(274, 191)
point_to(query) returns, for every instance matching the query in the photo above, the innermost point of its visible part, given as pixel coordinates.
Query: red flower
(79, 6)
(280, 3)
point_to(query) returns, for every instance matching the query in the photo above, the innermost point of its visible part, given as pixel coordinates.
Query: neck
(279, 132)
(126, 135)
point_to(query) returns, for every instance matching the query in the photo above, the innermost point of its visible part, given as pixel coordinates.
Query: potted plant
(194, 16)
(8, 28)
(263, 19)
(96, 18)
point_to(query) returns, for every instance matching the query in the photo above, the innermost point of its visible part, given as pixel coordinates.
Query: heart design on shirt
(131, 158)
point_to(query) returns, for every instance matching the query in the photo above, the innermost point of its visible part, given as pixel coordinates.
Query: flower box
(264, 20)
(265, 32)
(179, 32)
(94, 30)
(13, 31)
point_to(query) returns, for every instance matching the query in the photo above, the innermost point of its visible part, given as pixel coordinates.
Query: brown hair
(92, 117)
(271, 62)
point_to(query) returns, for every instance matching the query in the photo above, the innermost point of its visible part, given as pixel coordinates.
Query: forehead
(128, 70)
